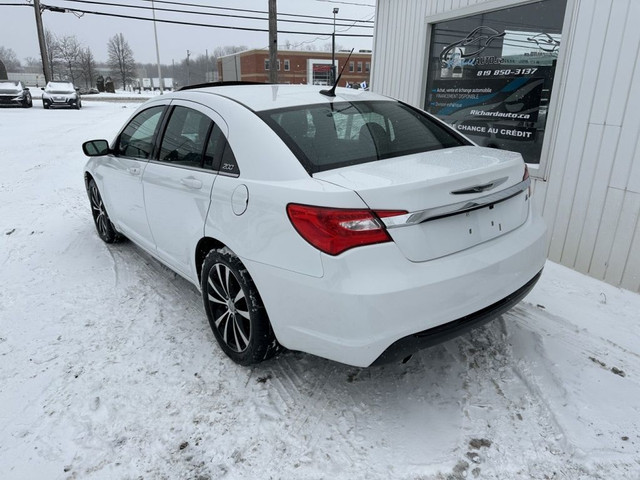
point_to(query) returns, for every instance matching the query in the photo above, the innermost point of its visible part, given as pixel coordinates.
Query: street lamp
(333, 47)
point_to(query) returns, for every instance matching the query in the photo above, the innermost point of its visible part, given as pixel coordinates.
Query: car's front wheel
(105, 228)
(237, 316)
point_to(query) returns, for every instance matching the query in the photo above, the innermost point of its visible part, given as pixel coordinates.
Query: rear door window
(339, 134)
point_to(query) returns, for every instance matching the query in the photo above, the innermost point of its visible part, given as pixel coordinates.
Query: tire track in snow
(293, 380)
(496, 383)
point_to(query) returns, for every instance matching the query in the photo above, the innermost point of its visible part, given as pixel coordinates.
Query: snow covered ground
(108, 368)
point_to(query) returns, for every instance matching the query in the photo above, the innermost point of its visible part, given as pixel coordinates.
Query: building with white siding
(557, 80)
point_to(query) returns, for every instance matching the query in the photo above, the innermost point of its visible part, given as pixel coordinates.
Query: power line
(207, 13)
(194, 24)
(245, 10)
(348, 3)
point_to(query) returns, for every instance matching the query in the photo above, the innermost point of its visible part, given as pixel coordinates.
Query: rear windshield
(335, 135)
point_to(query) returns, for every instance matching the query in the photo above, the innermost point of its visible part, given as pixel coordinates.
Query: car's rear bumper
(371, 297)
(410, 344)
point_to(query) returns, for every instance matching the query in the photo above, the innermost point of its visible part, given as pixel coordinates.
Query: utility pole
(155, 34)
(188, 70)
(273, 42)
(43, 45)
(333, 48)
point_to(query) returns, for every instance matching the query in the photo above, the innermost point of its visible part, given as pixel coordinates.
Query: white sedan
(353, 227)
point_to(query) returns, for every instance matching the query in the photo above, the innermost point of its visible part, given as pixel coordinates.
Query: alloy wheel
(230, 308)
(99, 213)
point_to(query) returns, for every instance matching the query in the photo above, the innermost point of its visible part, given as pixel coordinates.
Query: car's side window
(184, 139)
(229, 166)
(219, 156)
(137, 139)
(213, 153)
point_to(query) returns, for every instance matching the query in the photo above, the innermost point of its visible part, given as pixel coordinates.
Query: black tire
(45, 106)
(78, 105)
(105, 228)
(235, 310)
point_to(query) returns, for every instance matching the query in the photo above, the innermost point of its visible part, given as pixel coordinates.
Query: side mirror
(26, 88)
(42, 88)
(96, 148)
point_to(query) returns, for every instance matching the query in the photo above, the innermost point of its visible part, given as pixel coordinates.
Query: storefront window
(490, 75)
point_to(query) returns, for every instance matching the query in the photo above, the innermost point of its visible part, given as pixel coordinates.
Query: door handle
(191, 182)
(133, 170)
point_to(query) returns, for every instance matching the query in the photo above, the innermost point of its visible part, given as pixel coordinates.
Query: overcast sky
(18, 27)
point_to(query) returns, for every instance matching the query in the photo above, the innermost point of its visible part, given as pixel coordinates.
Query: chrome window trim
(196, 169)
(429, 214)
(185, 167)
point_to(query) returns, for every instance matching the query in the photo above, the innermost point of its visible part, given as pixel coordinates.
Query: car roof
(268, 97)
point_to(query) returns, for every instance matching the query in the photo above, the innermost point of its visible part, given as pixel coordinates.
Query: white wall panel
(583, 74)
(620, 93)
(577, 208)
(622, 243)
(613, 51)
(591, 199)
(627, 157)
(631, 277)
(597, 196)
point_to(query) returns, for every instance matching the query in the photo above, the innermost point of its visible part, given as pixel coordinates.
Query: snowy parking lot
(108, 367)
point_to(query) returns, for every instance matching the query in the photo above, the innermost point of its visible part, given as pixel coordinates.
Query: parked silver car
(14, 93)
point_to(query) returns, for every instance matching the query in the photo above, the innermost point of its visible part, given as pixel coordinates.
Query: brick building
(295, 67)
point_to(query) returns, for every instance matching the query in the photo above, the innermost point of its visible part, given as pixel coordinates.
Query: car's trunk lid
(455, 197)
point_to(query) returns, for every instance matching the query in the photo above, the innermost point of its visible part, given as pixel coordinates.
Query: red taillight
(334, 230)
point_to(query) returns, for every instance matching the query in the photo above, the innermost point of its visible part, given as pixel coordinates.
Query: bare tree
(327, 47)
(87, 67)
(121, 61)
(34, 63)
(10, 60)
(228, 50)
(70, 49)
(53, 53)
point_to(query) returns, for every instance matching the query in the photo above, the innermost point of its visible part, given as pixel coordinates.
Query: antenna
(332, 92)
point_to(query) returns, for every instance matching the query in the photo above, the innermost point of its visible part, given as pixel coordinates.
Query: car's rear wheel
(236, 314)
(105, 228)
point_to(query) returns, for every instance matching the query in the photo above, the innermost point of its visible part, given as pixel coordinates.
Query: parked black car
(61, 94)
(14, 93)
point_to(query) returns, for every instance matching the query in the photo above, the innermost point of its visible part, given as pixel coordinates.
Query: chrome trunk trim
(429, 214)
(480, 188)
